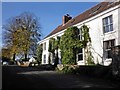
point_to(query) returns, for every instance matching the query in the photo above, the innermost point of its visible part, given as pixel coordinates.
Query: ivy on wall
(69, 44)
(86, 43)
(54, 46)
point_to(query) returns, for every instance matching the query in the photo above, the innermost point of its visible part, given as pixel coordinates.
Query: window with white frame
(80, 34)
(44, 60)
(80, 50)
(80, 54)
(106, 46)
(108, 24)
(44, 46)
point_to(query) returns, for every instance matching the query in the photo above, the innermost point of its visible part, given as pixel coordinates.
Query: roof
(85, 15)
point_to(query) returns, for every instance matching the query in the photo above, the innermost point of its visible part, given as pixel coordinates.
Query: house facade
(104, 28)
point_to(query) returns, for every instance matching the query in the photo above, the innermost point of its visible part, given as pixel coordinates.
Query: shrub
(67, 69)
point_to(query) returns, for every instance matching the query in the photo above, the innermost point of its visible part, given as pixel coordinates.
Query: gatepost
(115, 53)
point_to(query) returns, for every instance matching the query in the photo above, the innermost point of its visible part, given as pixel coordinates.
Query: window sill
(108, 60)
(80, 62)
(109, 32)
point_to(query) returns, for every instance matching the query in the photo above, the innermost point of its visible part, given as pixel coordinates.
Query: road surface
(36, 78)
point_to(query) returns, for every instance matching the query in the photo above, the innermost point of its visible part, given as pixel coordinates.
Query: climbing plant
(85, 35)
(86, 44)
(69, 43)
(51, 49)
(51, 45)
(54, 45)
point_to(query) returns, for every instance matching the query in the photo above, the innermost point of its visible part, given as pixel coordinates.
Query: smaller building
(32, 59)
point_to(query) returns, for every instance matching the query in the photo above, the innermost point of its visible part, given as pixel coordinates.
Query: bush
(67, 69)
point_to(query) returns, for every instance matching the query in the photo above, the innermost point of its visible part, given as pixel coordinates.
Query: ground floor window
(80, 54)
(106, 48)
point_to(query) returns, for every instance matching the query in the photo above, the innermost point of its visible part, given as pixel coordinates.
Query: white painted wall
(45, 52)
(97, 35)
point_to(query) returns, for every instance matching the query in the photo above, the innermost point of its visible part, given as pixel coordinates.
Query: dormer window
(93, 11)
(111, 2)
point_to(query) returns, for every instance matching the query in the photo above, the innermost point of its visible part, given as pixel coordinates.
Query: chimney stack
(66, 18)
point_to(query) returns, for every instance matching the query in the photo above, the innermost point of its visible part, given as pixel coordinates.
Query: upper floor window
(44, 61)
(80, 34)
(108, 24)
(107, 45)
(44, 46)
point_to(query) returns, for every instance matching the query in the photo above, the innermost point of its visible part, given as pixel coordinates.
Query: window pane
(80, 37)
(111, 27)
(106, 54)
(110, 19)
(113, 43)
(109, 54)
(80, 57)
(80, 54)
(44, 58)
(80, 50)
(107, 29)
(106, 21)
(107, 45)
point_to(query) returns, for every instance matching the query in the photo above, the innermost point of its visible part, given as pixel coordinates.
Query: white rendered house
(104, 23)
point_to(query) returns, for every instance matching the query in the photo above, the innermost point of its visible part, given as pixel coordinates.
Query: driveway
(32, 77)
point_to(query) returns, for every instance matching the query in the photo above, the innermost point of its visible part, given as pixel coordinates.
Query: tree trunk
(25, 56)
(56, 58)
(49, 58)
(74, 53)
(14, 56)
